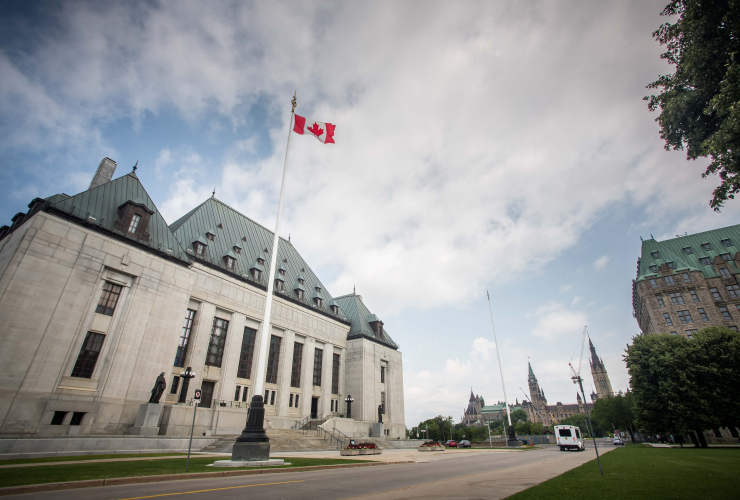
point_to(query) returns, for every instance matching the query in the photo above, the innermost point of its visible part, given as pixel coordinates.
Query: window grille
(687, 250)
(273, 360)
(88, 357)
(134, 223)
(726, 242)
(109, 299)
(667, 319)
(705, 261)
(237, 393)
(694, 295)
(317, 361)
(685, 317)
(726, 256)
(653, 283)
(706, 246)
(660, 303)
(733, 290)
(724, 272)
(217, 342)
(335, 375)
(676, 298)
(703, 314)
(247, 353)
(725, 313)
(686, 277)
(654, 269)
(656, 255)
(295, 374)
(669, 280)
(182, 346)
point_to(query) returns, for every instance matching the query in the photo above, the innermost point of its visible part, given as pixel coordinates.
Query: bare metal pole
(501, 370)
(590, 427)
(264, 342)
(195, 408)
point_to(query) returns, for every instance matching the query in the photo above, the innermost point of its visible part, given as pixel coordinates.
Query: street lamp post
(185, 376)
(349, 402)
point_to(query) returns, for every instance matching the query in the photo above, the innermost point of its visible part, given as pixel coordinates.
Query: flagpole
(264, 342)
(512, 436)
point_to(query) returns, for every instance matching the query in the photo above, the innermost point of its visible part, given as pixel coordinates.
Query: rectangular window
(715, 294)
(726, 256)
(694, 295)
(382, 401)
(670, 265)
(290, 401)
(690, 333)
(267, 396)
(295, 374)
(687, 250)
(674, 333)
(109, 299)
(77, 418)
(200, 248)
(686, 277)
(182, 346)
(237, 393)
(206, 398)
(58, 417)
(724, 272)
(660, 303)
(706, 246)
(676, 298)
(726, 242)
(317, 361)
(175, 384)
(273, 360)
(733, 328)
(654, 269)
(382, 374)
(656, 255)
(247, 353)
(725, 313)
(218, 341)
(703, 314)
(669, 280)
(335, 375)
(685, 317)
(705, 261)
(733, 290)
(272, 398)
(245, 393)
(653, 283)
(134, 223)
(295, 402)
(88, 357)
(668, 319)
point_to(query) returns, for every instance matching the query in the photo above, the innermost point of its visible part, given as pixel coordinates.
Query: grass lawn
(640, 471)
(80, 472)
(75, 458)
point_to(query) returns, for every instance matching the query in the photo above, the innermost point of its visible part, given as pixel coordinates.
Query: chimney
(104, 173)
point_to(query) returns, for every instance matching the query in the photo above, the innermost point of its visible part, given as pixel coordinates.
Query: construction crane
(579, 381)
(535, 408)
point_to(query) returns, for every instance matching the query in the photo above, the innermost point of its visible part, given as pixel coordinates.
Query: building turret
(598, 372)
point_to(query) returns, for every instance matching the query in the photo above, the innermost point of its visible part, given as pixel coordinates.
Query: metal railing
(221, 403)
(333, 435)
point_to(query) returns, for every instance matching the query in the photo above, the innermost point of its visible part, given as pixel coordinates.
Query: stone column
(285, 370)
(326, 397)
(307, 376)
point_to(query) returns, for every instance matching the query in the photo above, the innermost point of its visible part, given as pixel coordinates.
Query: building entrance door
(207, 396)
(314, 407)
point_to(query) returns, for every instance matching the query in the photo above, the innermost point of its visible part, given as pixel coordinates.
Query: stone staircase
(280, 440)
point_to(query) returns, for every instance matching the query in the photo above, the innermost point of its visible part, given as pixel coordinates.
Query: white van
(569, 437)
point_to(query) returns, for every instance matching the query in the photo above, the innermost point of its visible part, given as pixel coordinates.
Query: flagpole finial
(294, 102)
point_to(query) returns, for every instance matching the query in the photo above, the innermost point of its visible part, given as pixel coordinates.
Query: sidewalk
(495, 484)
(397, 455)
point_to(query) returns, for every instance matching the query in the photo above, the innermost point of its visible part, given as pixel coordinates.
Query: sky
(501, 146)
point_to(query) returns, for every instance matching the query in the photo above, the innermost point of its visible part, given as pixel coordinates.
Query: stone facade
(60, 261)
(477, 413)
(538, 410)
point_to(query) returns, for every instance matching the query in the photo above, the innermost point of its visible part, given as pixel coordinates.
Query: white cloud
(163, 161)
(555, 322)
(601, 262)
(565, 288)
(576, 300)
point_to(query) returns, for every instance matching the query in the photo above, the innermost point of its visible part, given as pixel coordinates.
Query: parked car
(464, 444)
(618, 442)
(451, 444)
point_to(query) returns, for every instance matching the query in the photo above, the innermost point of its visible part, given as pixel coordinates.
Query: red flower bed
(432, 443)
(361, 446)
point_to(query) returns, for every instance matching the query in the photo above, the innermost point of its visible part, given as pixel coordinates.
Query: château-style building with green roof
(687, 283)
(99, 295)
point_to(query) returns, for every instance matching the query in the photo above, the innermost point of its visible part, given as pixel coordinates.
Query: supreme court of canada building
(99, 295)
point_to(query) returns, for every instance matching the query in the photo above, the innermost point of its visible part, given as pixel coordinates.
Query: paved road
(475, 475)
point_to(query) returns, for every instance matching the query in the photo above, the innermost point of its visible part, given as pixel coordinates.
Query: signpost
(196, 401)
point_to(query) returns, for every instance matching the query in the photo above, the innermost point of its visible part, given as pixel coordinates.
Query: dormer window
(261, 261)
(671, 265)
(724, 272)
(706, 246)
(687, 250)
(299, 290)
(279, 284)
(726, 242)
(334, 309)
(200, 248)
(211, 236)
(726, 256)
(135, 220)
(318, 301)
(237, 250)
(705, 261)
(230, 263)
(654, 269)
(256, 274)
(299, 294)
(656, 255)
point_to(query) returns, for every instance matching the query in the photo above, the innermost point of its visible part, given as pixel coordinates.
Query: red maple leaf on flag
(315, 129)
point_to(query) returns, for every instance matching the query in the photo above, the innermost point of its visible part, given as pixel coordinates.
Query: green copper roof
(102, 202)
(229, 226)
(497, 408)
(656, 253)
(358, 313)
(531, 373)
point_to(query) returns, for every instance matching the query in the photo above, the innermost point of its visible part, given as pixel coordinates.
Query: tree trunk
(702, 441)
(694, 439)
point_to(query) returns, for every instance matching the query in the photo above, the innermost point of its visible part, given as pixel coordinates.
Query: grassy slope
(641, 471)
(76, 458)
(80, 472)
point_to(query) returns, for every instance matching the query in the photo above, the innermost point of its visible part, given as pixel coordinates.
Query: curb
(116, 481)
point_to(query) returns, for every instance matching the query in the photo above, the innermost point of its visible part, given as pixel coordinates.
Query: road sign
(196, 397)
(621, 434)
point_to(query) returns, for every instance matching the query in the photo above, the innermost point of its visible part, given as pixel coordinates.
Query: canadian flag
(320, 130)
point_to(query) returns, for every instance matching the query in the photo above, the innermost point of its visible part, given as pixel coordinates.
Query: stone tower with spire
(598, 372)
(537, 396)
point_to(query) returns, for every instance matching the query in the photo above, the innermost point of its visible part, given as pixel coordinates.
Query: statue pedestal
(378, 430)
(147, 420)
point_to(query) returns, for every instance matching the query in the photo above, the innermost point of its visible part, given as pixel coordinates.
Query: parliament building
(99, 295)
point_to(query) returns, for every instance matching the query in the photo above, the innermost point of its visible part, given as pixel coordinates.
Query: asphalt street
(333, 484)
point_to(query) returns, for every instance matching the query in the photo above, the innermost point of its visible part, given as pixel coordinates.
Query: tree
(580, 420)
(615, 411)
(518, 416)
(698, 101)
(684, 386)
